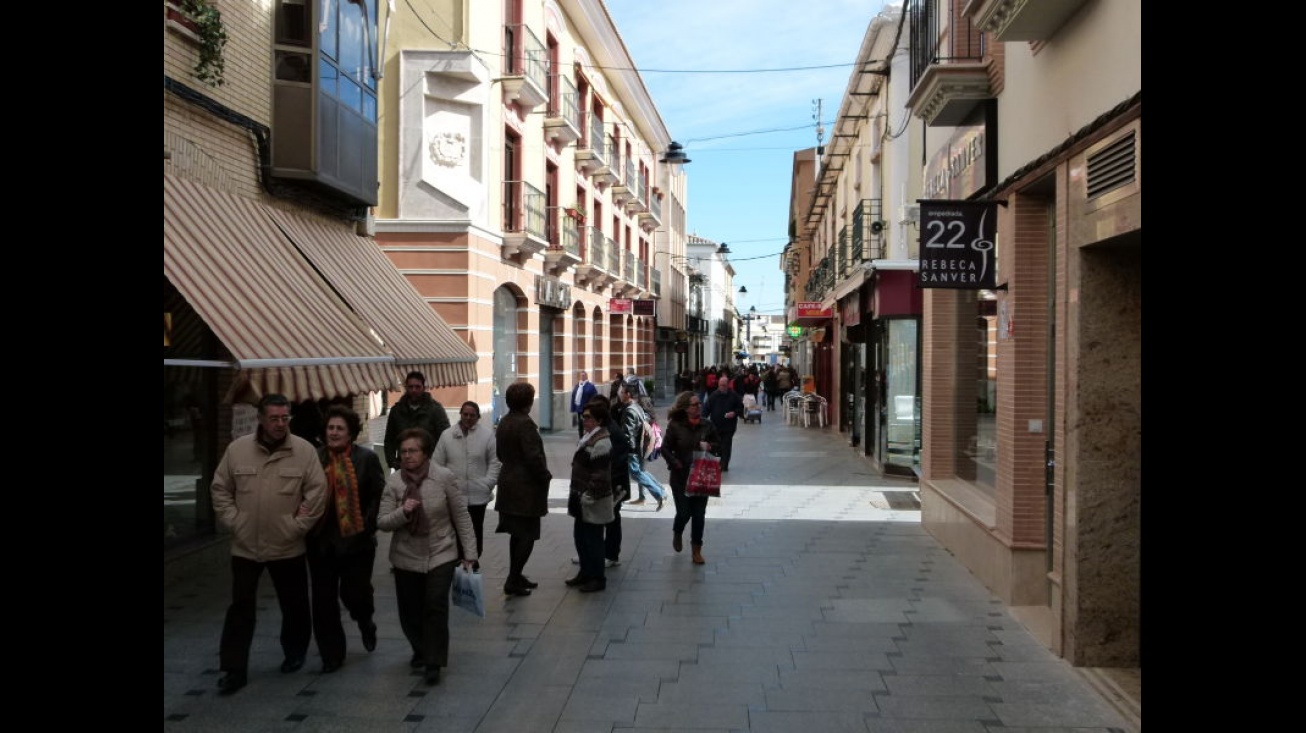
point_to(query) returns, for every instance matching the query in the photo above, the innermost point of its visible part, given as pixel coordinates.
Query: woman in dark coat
(590, 499)
(687, 431)
(523, 484)
(342, 546)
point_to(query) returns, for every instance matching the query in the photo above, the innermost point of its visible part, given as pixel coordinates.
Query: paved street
(823, 606)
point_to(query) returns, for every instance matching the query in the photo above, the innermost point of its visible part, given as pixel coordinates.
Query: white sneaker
(611, 563)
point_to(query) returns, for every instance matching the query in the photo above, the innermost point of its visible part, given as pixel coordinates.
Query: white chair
(793, 404)
(815, 407)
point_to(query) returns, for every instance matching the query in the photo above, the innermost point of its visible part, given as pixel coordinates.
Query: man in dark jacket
(416, 409)
(580, 394)
(723, 408)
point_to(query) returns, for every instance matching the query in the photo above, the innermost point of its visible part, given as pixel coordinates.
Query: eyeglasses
(695, 403)
(586, 416)
(468, 414)
(409, 451)
(277, 418)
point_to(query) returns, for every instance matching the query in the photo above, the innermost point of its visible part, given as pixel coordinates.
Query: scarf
(418, 524)
(342, 483)
(586, 437)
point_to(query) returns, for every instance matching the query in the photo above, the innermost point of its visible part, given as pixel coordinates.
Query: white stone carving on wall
(448, 149)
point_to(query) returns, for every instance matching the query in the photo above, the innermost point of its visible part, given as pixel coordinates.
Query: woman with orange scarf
(687, 432)
(342, 547)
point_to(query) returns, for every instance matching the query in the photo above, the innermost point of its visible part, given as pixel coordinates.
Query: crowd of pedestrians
(307, 506)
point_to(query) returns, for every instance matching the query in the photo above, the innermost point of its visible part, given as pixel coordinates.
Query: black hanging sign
(957, 244)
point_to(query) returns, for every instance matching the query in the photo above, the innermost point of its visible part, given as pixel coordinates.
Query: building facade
(524, 195)
(858, 305)
(1032, 402)
(269, 115)
(992, 345)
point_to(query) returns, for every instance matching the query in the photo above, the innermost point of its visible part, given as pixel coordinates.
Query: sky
(712, 69)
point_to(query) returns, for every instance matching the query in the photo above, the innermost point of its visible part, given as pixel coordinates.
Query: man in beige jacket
(268, 491)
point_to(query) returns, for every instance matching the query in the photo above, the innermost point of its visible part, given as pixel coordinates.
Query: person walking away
(523, 484)
(416, 409)
(268, 491)
(590, 501)
(580, 394)
(723, 409)
(633, 429)
(468, 449)
(422, 506)
(771, 388)
(342, 546)
(685, 433)
(616, 385)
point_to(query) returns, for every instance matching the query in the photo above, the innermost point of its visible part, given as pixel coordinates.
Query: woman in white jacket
(424, 508)
(467, 448)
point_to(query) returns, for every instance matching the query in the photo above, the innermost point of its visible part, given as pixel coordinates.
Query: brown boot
(698, 555)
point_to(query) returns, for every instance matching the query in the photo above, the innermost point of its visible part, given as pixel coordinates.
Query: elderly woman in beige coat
(426, 510)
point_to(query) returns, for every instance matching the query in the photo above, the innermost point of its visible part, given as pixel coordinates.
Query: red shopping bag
(704, 475)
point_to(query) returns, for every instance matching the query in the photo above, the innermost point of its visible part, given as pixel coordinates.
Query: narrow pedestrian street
(823, 606)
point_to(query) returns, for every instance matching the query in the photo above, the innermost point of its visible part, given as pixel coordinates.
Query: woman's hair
(519, 396)
(475, 408)
(352, 423)
(678, 408)
(423, 437)
(598, 407)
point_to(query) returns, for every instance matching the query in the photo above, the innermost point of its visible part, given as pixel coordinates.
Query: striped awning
(366, 279)
(286, 328)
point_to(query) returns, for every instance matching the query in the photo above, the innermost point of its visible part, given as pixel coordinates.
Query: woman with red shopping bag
(687, 432)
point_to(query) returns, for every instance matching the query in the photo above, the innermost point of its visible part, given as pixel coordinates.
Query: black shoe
(432, 675)
(578, 580)
(591, 586)
(512, 589)
(329, 667)
(526, 582)
(230, 682)
(724, 469)
(417, 662)
(292, 664)
(369, 636)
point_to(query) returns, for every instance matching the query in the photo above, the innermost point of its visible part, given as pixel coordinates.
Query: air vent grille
(1112, 167)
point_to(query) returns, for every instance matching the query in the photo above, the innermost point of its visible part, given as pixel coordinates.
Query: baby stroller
(752, 412)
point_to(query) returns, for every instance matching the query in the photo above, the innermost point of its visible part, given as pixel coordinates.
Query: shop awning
(365, 278)
(286, 329)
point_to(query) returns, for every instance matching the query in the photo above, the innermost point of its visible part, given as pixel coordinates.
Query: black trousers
(290, 579)
(611, 536)
(478, 526)
(348, 578)
(424, 611)
(691, 510)
(589, 539)
(727, 447)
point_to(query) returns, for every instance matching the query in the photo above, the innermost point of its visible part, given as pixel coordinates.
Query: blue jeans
(644, 478)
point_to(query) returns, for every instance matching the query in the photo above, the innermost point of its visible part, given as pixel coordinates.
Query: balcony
(526, 73)
(562, 121)
(591, 153)
(593, 255)
(629, 286)
(949, 72)
(638, 192)
(564, 242)
(524, 220)
(655, 283)
(621, 189)
(651, 219)
(867, 232)
(604, 175)
(1021, 20)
